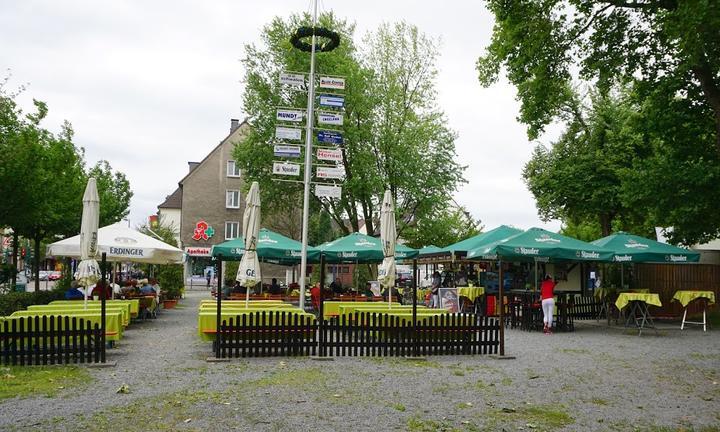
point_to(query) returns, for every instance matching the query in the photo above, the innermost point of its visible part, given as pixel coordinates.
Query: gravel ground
(593, 379)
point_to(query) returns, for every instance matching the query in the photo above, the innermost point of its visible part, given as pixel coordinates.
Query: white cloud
(152, 85)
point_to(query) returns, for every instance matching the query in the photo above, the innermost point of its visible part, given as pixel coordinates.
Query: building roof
(230, 135)
(173, 201)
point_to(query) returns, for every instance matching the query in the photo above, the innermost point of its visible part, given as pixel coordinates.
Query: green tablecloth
(124, 309)
(207, 321)
(113, 329)
(685, 297)
(471, 292)
(208, 301)
(626, 297)
(332, 308)
(350, 310)
(134, 304)
(242, 306)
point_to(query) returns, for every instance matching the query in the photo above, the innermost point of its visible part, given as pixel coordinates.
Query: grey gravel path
(593, 379)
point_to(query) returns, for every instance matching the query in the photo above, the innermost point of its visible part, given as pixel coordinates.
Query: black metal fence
(362, 334)
(48, 340)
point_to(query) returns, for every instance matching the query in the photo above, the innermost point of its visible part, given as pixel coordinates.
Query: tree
(114, 192)
(545, 46)
(170, 276)
(394, 135)
(443, 227)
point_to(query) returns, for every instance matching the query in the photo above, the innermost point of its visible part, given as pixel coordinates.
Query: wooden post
(414, 309)
(502, 308)
(321, 318)
(103, 291)
(218, 315)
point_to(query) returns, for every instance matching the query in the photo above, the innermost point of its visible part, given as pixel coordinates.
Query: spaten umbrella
(249, 270)
(88, 271)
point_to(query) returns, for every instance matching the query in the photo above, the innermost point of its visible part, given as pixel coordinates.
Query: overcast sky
(150, 85)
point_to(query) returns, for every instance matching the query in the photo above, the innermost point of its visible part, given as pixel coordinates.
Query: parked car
(44, 274)
(53, 276)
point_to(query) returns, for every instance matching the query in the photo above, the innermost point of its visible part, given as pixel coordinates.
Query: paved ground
(594, 379)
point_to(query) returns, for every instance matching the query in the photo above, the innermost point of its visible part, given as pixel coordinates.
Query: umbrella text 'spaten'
(249, 270)
(386, 272)
(88, 272)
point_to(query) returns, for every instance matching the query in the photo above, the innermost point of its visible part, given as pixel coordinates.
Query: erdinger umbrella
(249, 270)
(631, 248)
(386, 272)
(88, 271)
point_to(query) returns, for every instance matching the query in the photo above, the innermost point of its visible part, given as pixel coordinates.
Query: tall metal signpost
(328, 138)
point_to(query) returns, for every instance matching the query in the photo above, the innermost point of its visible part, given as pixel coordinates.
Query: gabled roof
(244, 123)
(173, 201)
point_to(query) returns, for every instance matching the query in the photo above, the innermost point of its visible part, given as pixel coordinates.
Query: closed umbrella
(88, 271)
(249, 270)
(386, 273)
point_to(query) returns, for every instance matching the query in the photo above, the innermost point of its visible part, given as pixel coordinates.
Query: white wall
(171, 217)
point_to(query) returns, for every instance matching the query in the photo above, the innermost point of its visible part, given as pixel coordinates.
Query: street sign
(328, 191)
(282, 168)
(286, 151)
(334, 155)
(335, 101)
(330, 118)
(332, 83)
(295, 80)
(330, 137)
(289, 115)
(288, 133)
(329, 173)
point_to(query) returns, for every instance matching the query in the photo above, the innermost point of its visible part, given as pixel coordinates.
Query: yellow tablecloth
(471, 292)
(332, 308)
(625, 298)
(134, 304)
(207, 321)
(123, 309)
(238, 302)
(685, 297)
(213, 306)
(113, 329)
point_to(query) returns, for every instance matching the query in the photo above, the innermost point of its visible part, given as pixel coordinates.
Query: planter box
(169, 304)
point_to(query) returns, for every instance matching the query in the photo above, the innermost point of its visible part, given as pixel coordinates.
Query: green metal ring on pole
(333, 39)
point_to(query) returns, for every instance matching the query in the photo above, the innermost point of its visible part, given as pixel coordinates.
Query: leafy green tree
(547, 46)
(170, 276)
(395, 136)
(114, 192)
(444, 226)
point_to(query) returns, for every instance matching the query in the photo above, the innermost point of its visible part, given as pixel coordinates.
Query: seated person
(368, 292)
(315, 295)
(147, 289)
(336, 287)
(98, 289)
(275, 287)
(73, 293)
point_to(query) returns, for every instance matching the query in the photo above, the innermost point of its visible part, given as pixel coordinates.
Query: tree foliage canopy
(395, 137)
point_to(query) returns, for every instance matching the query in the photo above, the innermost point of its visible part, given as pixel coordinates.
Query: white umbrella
(88, 271)
(249, 270)
(386, 273)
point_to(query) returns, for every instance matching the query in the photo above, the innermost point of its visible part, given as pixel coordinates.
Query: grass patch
(536, 417)
(574, 351)
(458, 372)
(399, 407)
(304, 379)
(29, 381)
(599, 401)
(506, 381)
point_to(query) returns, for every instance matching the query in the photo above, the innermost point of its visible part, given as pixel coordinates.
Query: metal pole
(218, 317)
(309, 116)
(502, 308)
(103, 291)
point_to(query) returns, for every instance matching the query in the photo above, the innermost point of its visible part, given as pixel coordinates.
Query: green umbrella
(271, 247)
(429, 250)
(537, 244)
(361, 248)
(464, 246)
(631, 248)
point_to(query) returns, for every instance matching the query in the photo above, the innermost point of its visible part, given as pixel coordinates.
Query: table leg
(682, 326)
(704, 316)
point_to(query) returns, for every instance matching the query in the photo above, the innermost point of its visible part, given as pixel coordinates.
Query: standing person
(434, 290)
(548, 303)
(208, 276)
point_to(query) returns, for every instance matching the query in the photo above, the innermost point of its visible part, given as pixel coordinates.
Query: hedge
(15, 301)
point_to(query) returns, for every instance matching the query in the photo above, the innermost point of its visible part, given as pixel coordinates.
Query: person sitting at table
(368, 291)
(336, 287)
(275, 287)
(315, 296)
(238, 289)
(98, 289)
(73, 293)
(147, 289)
(546, 295)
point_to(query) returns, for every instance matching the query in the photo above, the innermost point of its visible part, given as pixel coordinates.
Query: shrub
(171, 280)
(16, 301)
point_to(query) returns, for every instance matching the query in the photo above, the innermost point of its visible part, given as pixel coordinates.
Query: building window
(232, 169)
(232, 230)
(232, 199)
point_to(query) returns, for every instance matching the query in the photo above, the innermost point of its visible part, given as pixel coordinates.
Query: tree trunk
(704, 74)
(14, 258)
(605, 224)
(36, 263)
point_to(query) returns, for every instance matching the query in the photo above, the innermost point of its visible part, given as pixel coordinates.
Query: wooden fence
(665, 279)
(48, 340)
(362, 334)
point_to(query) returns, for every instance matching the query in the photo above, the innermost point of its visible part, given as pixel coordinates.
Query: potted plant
(171, 284)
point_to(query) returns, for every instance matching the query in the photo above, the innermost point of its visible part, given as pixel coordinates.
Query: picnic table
(686, 297)
(123, 309)
(638, 303)
(134, 304)
(113, 327)
(207, 321)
